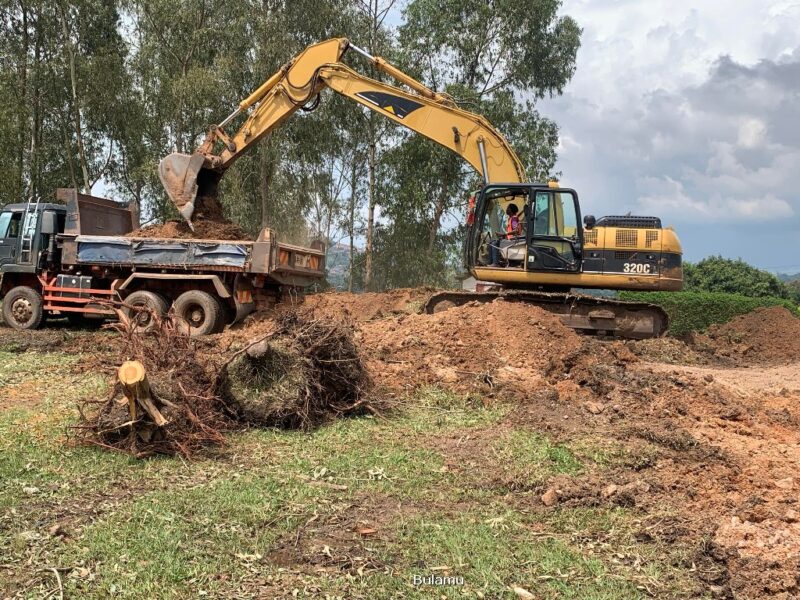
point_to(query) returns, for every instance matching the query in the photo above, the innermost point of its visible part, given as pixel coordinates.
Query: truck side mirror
(589, 221)
(49, 223)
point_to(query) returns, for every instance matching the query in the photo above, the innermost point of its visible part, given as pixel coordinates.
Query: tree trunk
(69, 48)
(23, 103)
(351, 217)
(34, 164)
(68, 152)
(448, 173)
(267, 176)
(133, 379)
(371, 211)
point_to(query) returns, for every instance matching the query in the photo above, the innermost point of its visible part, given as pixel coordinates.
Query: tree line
(718, 274)
(93, 93)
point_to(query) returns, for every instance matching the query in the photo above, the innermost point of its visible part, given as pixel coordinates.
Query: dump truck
(81, 260)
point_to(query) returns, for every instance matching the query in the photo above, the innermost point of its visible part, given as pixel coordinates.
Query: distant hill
(338, 265)
(788, 277)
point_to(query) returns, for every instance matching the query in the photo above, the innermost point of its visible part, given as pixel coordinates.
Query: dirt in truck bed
(697, 441)
(203, 229)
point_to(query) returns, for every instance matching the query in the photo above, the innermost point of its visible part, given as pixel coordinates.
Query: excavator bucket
(178, 174)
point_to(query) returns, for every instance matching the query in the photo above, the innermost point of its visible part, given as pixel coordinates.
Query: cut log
(134, 382)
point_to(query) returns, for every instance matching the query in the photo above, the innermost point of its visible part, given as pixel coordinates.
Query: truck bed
(95, 236)
(168, 253)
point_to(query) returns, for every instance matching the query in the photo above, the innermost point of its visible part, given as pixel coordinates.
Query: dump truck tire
(225, 318)
(22, 308)
(199, 313)
(142, 321)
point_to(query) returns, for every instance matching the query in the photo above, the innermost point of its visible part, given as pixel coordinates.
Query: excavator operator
(509, 238)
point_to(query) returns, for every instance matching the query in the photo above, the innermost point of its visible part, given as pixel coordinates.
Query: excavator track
(586, 314)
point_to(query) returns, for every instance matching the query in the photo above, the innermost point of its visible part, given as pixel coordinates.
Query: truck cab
(28, 234)
(28, 247)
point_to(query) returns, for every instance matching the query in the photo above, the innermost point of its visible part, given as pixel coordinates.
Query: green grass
(697, 311)
(16, 368)
(176, 543)
(173, 529)
(529, 448)
(432, 409)
(492, 553)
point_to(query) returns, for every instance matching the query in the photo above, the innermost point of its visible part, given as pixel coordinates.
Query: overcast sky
(689, 111)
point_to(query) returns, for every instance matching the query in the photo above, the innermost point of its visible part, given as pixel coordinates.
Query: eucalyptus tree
(62, 77)
(496, 58)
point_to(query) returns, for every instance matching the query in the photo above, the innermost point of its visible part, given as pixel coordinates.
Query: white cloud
(690, 111)
(667, 198)
(751, 133)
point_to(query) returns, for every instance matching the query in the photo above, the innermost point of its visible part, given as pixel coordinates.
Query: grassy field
(445, 487)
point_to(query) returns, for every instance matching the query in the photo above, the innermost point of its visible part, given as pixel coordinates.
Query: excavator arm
(191, 180)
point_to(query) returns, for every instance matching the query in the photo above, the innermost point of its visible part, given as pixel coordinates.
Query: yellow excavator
(548, 252)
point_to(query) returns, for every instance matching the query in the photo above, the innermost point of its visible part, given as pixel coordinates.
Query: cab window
(554, 215)
(9, 224)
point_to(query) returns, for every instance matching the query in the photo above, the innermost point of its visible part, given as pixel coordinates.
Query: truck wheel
(22, 308)
(199, 313)
(225, 316)
(142, 320)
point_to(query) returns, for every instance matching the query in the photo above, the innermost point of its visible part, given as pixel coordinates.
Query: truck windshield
(5, 219)
(9, 224)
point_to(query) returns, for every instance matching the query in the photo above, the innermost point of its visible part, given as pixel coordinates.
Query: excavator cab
(551, 239)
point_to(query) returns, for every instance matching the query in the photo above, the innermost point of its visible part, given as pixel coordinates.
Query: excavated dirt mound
(203, 229)
(365, 307)
(721, 460)
(485, 347)
(339, 307)
(766, 335)
(671, 351)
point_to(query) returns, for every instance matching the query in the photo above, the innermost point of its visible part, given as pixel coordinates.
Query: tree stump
(133, 378)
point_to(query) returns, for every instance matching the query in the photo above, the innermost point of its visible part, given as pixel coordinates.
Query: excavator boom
(191, 180)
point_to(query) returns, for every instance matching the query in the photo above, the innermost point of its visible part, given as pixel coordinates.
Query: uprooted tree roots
(180, 387)
(300, 376)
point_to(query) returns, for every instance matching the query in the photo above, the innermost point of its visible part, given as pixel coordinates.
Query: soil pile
(302, 375)
(766, 335)
(358, 308)
(203, 229)
(671, 351)
(488, 347)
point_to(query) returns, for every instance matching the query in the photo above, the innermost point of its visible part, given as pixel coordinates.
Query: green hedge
(695, 311)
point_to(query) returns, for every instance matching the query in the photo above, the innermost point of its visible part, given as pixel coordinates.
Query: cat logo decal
(398, 106)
